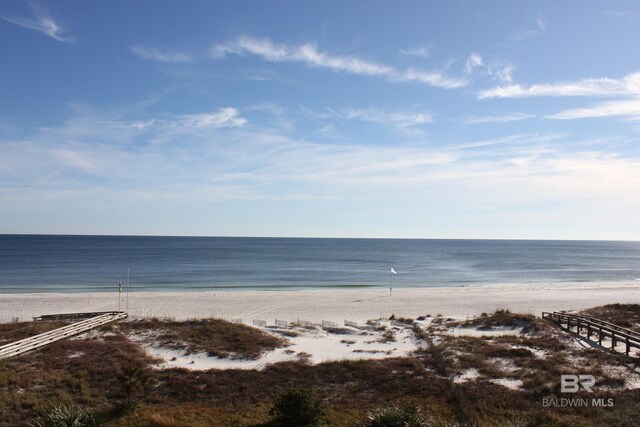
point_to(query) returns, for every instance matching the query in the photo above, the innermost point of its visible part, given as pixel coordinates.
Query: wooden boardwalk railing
(46, 338)
(74, 316)
(601, 328)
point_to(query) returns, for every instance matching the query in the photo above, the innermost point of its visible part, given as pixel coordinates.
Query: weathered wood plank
(32, 343)
(617, 334)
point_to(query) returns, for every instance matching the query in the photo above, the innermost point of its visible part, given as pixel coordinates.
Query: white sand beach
(332, 305)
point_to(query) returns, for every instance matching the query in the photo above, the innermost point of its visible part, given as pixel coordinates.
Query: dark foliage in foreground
(65, 415)
(297, 407)
(394, 416)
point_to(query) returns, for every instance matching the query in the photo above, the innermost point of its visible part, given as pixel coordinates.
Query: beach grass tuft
(216, 337)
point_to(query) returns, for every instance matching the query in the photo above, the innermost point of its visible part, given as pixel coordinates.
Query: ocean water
(32, 263)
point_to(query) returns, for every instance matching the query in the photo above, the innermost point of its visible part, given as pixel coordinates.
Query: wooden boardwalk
(46, 338)
(587, 327)
(73, 317)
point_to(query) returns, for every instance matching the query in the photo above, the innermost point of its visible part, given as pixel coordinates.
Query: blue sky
(456, 119)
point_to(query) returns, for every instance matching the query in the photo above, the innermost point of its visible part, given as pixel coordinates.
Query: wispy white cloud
(41, 22)
(504, 118)
(100, 159)
(628, 85)
(255, 158)
(225, 117)
(74, 159)
(626, 108)
(417, 52)
(431, 78)
(388, 118)
(473, 61)
(107, 126)
(523, 139)
(310, 55)
(393, 118)
(541, 27)
(497, 70)
(501, 72)
(265, 75)
(523, 35)
(141, 124)
(160, 56)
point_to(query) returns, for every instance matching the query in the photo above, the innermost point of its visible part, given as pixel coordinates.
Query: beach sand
(332, 305)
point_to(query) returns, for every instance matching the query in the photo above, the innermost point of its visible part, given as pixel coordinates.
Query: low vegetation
(501, 318)
(297, 407)
(213, 336)
(395, 416)
(10, 332)
(625, 315)
(84, 371)
(466, 380)
(65, 415)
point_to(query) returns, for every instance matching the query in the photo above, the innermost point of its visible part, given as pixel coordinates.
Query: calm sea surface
(96, 263)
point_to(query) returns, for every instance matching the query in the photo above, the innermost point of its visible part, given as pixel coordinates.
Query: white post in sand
(119, 292)
(391, 273)
(127, 291)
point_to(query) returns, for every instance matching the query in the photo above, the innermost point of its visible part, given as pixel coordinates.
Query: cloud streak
(391, 118)
(417, 52)
(520, 36)
(505, 118)
(195, 164)
(160, 56)
(628, 85)
(223, 118)
(310, 55)
(42, 23)
(626, 108)
(497, 70)
(261, 163)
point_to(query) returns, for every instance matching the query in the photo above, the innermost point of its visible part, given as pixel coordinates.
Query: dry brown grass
(214, 336)
(10, 332)
(625, 315)
(86, 370)
(501, 318)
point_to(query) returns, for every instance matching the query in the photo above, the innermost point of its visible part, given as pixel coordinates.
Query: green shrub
(393, 416)
(133, 379)
(297, 407)
(65, 415)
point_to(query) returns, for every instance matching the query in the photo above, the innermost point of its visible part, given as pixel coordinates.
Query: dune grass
(87, 371)
(625, 315)
(10, 332)
(500, 318)
(213, 336)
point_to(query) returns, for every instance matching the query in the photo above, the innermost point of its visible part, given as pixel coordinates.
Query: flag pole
(391, 273)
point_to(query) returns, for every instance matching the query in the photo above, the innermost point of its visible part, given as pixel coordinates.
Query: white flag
(393, 271)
